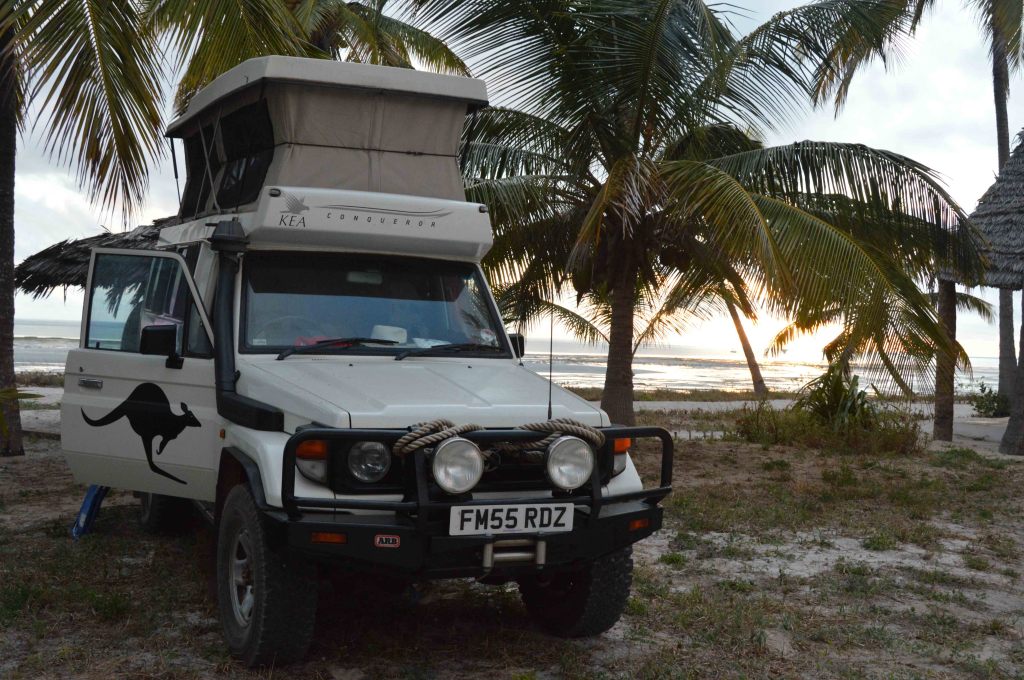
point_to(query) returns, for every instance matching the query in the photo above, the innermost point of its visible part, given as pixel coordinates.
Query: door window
(131, 291)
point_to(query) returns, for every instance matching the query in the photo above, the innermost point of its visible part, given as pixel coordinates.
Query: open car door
(139, 409)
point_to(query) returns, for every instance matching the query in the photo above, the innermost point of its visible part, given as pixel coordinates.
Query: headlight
(570, 462)
(458, 465)
(369, 461)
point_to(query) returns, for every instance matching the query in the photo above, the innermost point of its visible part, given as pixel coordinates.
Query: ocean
(42, 345)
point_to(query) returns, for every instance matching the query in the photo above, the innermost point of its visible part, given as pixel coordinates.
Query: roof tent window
(201, 165)
(247, 138)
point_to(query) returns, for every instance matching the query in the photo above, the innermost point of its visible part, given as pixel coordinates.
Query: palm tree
(211, 36)
(634, 151)
(94, 72)
(1003, 24)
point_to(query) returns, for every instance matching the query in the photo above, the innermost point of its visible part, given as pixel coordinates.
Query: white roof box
(325, 219)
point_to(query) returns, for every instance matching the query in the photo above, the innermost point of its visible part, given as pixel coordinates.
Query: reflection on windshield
(298, 299)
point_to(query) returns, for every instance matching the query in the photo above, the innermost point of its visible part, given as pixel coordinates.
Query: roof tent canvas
(287, 121)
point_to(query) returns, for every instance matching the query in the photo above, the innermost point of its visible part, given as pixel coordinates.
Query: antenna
(174, 160)
(551, 357)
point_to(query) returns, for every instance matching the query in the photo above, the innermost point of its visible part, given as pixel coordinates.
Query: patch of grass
(976, 562)
(937, 577)
(737, 586)
(921, 497)
(637, 606)
(673, 559)
(15, 599)
(858, 579)
(1002, 546)
(765, 425)
(871, 636)
(686, 540)
(963, 458)
(723, 616)
(880, 540)
(776, 465)
(843, 477)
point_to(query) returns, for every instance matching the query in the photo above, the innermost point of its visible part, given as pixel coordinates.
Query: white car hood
(379, 392)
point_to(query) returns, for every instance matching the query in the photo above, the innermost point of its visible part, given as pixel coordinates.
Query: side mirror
(161, 341)
(518, 341)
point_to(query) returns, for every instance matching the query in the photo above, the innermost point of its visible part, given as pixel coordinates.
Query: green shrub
(768, 426)
(988, 403)
(836, 400)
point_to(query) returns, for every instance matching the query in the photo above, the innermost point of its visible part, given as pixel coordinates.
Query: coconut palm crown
(628, 164)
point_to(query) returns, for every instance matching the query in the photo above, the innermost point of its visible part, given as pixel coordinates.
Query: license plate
(468, 520)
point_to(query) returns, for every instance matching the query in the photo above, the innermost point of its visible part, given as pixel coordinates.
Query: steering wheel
(293, 325)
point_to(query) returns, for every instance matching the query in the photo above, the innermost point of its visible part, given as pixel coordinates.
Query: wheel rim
(241, 586)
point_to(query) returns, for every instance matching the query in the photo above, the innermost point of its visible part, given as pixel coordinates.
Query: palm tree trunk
(617, 400)
(11, 445)
(1007, 359)
(1013, 439)
(1000, 91)
(945, 366)
(760, 389)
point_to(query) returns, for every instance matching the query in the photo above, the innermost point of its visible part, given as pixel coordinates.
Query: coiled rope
(436, 431)
(429, 433)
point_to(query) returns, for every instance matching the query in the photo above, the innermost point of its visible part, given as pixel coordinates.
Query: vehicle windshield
(299, 299)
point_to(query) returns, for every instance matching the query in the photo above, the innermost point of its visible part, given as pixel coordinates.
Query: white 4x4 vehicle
(313, 353)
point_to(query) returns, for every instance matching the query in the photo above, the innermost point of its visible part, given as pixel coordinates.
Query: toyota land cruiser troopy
(313, 352)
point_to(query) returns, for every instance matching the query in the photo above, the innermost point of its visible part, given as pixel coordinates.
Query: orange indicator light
(637, 524)
(328, 537)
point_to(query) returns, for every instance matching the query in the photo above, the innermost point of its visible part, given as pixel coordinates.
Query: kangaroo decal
(149, 413)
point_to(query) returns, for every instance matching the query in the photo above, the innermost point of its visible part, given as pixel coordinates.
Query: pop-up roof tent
(285, 121)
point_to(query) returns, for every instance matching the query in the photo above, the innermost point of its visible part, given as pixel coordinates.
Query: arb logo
(387, 541)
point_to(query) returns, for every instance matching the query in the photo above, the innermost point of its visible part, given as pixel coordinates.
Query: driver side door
(139, 414)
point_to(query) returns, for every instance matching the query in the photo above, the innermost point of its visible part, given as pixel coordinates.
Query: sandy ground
(774, 562)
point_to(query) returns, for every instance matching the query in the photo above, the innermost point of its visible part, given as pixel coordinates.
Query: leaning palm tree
(634, 148)
(211, 36)
(671, 306)
(94, 73)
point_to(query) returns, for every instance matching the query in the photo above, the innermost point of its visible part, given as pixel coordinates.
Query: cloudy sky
(935, 106)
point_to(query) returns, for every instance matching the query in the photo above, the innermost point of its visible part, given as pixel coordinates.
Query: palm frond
(211, 36)
(94, 71)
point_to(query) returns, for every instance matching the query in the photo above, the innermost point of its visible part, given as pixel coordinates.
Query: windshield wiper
(330, 342)
(458, 347)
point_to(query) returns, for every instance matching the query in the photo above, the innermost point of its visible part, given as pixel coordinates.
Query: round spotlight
(458, 465)
(570, 462)
(369, 461)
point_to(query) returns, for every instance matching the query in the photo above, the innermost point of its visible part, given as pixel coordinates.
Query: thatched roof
(66, 264)
(1000, 218)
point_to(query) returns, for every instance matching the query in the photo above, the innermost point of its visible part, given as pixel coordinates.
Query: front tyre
(584, 601)
(267, 600)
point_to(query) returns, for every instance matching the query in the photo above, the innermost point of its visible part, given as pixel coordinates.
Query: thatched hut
(1000, 218)
(66, 264)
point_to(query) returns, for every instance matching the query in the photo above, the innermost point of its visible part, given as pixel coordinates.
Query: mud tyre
(266, 599)
(584, 601)
(163, 514)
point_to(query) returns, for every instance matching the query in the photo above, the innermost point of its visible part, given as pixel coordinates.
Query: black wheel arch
(237, 467)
